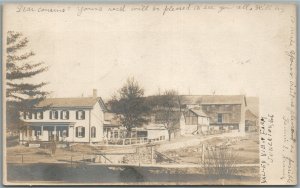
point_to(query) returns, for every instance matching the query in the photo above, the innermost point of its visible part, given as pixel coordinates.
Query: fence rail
(127, 141)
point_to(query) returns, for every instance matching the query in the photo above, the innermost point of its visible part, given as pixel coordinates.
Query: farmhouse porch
(45, 132)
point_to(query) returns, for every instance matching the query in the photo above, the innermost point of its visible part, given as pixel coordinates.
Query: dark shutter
(56, 114)
(83, 132)
(67, 114)
(93, 130)
(76, 131)
(67, 133)
(62, 114)
(83, 115)
(50, 114)
(42, 115)
(76, 114)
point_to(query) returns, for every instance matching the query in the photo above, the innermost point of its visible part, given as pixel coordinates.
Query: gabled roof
(81, 102)
(250, 116)
(198, 112)
(213, 99)
(111, 119)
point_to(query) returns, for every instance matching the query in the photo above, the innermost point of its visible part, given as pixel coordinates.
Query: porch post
(54, 134)
(27, 132)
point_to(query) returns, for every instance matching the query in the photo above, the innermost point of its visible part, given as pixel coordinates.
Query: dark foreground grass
(82, 173)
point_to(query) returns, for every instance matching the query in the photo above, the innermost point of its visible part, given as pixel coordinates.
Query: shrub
(220, 162)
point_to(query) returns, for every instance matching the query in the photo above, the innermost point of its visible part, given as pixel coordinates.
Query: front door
(50, 136)
(57, 135)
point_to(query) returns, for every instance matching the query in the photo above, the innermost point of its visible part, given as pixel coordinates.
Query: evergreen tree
(21, 93)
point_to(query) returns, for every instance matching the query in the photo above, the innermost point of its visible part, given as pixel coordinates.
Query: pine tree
(21, 93)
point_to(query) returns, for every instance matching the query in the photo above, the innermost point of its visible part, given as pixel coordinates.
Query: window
(80, 132)
(27, 115)
(80, 114)
(53, 114)
(220, 118)
(64, 114)
(93, 132)
(38, 115)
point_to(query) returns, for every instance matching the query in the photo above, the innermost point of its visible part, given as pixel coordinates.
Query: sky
(193, 52)
(221, 49)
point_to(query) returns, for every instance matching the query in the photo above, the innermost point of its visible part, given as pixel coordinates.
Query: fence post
(202, 157)
(152, 154)
(139, 156)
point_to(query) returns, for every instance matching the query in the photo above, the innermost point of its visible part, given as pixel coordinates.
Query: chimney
(95, 93)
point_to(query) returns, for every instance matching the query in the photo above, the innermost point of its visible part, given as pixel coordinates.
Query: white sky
(196, 51)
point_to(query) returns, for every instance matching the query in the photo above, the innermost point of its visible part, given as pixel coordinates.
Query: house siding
(93, 117)
(97, 120)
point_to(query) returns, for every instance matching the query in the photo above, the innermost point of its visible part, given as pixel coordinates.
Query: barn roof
(198, 112)
(213, 99)
(80, 102)
(250, 116)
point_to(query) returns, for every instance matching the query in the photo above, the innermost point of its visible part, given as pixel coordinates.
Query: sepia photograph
(149, 94)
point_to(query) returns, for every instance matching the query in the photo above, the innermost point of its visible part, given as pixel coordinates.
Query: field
(77, 164)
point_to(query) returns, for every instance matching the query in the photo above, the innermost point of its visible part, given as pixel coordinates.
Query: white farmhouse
(65, 119)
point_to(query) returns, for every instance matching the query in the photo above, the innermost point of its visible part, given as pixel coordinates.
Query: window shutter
(83, 131)
(56, 114)
(50, 114)
(67, 133)
(76, 131)
(83, 114)
(93, 132)
(42, 115)
(76, 114)
(67, 114)
(62, 114)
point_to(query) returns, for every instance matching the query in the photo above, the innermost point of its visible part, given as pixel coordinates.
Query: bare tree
(168, 111)
(220, 162)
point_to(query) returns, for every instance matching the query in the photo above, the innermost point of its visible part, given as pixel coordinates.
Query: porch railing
(127, 141)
